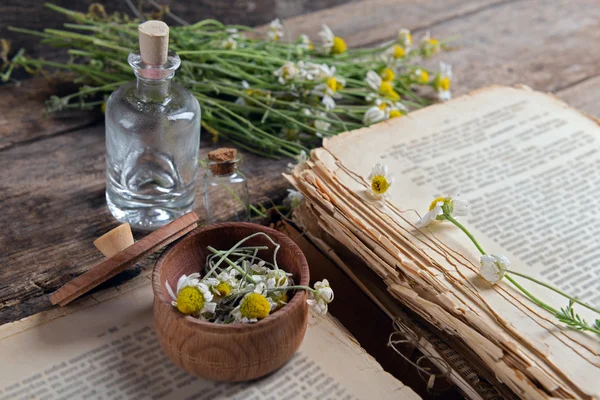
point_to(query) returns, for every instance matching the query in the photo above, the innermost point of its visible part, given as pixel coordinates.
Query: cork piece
(114, 241)
(154, 42)
(223, 160)
(124, 259)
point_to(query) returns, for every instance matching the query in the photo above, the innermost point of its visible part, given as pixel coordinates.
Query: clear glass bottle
(152, 144)
(225, 192)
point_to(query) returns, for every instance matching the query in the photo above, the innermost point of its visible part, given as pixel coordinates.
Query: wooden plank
(585, 96)
(529, 42)
(52, 197)
(22, 111)
(123, 259)
(372, 21)
(32, 14)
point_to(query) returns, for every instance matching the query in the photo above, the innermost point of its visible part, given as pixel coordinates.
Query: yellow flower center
(103, 107)
(382, 106)
(423, 76)
(379, 184)
(287, 71)
(339, 45)
(255, 305)
(387, 89)
(388, 75)
(190, 300)
(223, 288)
(281, 300)
(444, 83)
(334, 84)
(395, 114)
(435, 201)
(311, 46)
(433, 42)
(399, 52)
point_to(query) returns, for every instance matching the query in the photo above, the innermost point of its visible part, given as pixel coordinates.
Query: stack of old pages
(529, 168)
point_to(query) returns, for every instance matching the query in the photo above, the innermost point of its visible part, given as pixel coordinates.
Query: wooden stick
(129, 256)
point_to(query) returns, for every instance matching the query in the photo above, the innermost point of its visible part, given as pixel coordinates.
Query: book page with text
(110, 351)
(529, 167)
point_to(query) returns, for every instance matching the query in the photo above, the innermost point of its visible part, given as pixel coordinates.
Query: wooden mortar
(232, 352)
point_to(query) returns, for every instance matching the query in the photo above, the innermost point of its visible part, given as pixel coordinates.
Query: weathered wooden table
(52, 170)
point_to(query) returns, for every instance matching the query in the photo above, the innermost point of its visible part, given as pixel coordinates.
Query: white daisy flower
(429, 45)
(275, 32)
(192, 296)
(300, 158)
(229, 43)
(277, 278)
(240, 100)
(404, 38)
(373, 115)
(254, 306)
(304, 44)
(441, 206)
(328, 90)
(327, 38)
(320, 125)
(493, 267)
(294, 198)
(321, 298)
(373, 80)
(443, 82)
(381, 180)
(287, 72)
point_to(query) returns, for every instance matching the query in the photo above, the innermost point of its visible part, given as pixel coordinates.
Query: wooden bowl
(233, 352)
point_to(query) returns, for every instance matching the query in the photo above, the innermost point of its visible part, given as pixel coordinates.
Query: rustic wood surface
(52, 170)
(229, 352)
(124, 259)
(32, 14)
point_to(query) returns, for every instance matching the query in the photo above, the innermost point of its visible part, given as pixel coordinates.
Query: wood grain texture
(52, 175)
(22, 111)
(543, 45)
(53, 194)
(112, 266)
(32, 14)
(372, 21)
(232, 352)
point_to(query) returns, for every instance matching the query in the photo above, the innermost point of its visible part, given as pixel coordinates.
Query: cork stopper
(114, 241)
(223, 161)
(154, 42)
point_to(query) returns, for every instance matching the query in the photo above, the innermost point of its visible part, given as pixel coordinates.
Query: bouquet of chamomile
(263, 91)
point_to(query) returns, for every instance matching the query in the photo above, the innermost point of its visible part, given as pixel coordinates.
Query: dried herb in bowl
(238, 286)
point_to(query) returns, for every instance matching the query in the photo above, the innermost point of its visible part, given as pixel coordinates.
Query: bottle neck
(153, 89)
(153, 81)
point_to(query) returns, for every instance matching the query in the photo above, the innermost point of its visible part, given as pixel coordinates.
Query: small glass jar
(225, 192)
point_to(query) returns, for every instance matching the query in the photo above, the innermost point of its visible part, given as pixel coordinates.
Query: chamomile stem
(228, 261)
(531, 296)
(462, 228)
(295, 287)
(573, 299)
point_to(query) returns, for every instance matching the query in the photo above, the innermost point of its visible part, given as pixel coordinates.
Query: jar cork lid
(223, 161)
(154, 42)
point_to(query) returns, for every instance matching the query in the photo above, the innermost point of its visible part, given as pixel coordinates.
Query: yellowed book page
(525, 163)
(109, 350)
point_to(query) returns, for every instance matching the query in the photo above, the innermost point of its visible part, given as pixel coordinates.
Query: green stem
(531, 296)
(462, 228)
(573, 299)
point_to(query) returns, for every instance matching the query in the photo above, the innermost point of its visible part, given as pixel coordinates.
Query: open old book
(108, 350)
(529, 167)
